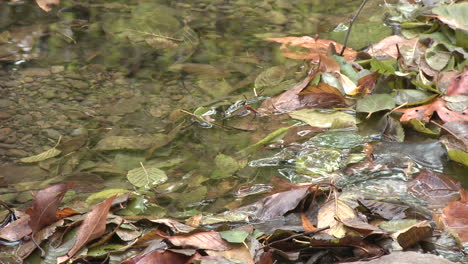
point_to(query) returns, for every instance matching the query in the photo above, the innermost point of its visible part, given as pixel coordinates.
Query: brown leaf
(93, 226)
(413, 234)
(16, 230)
(45, 205)
(425, 112)
(29, 246)
(315, 46)
(387, 46)
(45, 4)
(202, 240)
(388, 211)
(437, 189)
(458, 85)
(328, 64)
(455, 219)
(366, 84)
(306, 224)
(159, 257)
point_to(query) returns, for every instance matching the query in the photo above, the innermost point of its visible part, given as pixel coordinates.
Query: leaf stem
(351, 22)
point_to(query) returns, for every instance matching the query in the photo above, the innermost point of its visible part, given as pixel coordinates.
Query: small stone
(57, 69)
(28, 79)
(49, 94)
(277, 18)
(5, 103)
(16, 153)
(79, 132)
(52, 133)
(4, 115)
(5, 131)
(38, 72)
(78, 84)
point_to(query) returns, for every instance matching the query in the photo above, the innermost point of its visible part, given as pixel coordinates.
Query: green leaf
(458, 156)
(386, 67)
(42, 156)
(146, 176)
(375, 102)
(275, 135)
(324, 120)
(453, 15)
(225, 166)
(412, 96)
(418, 125)
(234, 236)
(102, 195)
(437, 57)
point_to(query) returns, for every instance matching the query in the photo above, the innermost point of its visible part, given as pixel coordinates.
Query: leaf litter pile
(349, 187)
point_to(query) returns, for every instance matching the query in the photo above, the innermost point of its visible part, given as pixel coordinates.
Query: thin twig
(351, 22)
(298, 235)
(448, 130)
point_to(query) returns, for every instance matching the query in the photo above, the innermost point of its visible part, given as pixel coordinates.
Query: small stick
(351, 22)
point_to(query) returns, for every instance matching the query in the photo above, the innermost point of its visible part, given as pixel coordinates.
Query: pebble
(38, 72)
(7, 146)
(57, 69)
(78, 84)
(16, 153)
(5, 103)
(28, 79)
(4, 115)
(5, 131)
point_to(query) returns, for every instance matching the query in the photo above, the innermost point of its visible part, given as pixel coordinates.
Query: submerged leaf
(146, 176)
(375, 102)
(324, 120)
(42, 156)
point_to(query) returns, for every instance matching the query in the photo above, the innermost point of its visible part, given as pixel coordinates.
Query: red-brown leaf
(16, 230)
(45, 205)
(93, 226)
(159, 257)
(455, 218)
(458, 85)
(203, 240)
(425, 112)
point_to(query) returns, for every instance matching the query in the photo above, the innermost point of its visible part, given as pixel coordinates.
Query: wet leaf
(385, 210)
(453, 15)
(160, 257)
(458, 156)
(386, 67)
(388, 46)
(320, 162)
(418, 125)
(425, 112)
(93, 226)
(321, 96)
(412, 96)
(102, 195)
(225, 166)
(455, 218)
(270, 77)
(315, 46)
(53, 152)
(234, 236)
(348, 85)
(273, 136)
(375, 102)
(338, 139)
(413, 234)
(17, 230)
(330, 212)
(203, 240)
(315, 118)
(146, 176)
(458, 85)
(366, 84)
(45, 205)
(437, 57)
(437, 189)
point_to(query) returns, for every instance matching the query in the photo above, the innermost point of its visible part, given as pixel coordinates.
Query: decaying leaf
(458, 85)
(425, 112)
(413, 234)
(315, 46)
(146, 176)
(331, 214)
(388, 46)
(45, 205)
(93, 226)
(455, 218)
(203, 240)
(388, 211)
(42, 156)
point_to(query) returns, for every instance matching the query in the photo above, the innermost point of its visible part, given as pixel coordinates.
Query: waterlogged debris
(129, 143)
(410, 236)
(375, 102)
(53, 152)
(316, 118)
(146, 176)
(454, 218)
(388, 211)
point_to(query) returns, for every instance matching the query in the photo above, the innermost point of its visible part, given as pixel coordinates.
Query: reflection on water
(102, 82)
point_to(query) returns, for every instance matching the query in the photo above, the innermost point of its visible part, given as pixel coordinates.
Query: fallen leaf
(202, 240)
(331, 214)
(320, 96)
(16, 230)
(45, 4)
(160, 257)
(413, 234)
(366, 84)
(455, 218)
(388, 46)
(453, 15)
(388, 211)
(458, 85)
(93, 226)
(315, 46)
(425, 112)
(45, 205)
(306, 224)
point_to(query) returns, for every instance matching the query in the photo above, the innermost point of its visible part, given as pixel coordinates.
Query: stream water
(104, 82)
